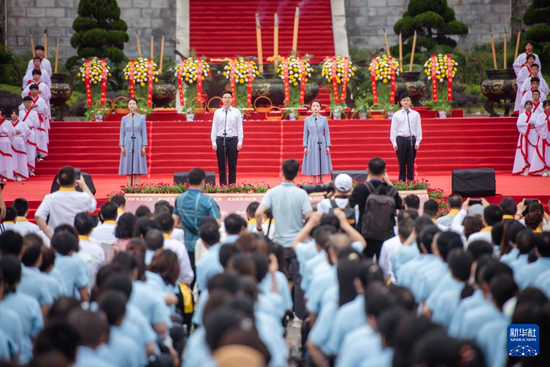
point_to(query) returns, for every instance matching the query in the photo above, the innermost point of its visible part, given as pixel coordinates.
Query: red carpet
(215, 39)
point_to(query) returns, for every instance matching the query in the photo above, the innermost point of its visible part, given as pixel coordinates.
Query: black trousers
(373, 249)
(406, 153)
(231, 159)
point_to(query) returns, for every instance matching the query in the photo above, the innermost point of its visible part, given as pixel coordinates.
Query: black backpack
(379, 212)
(348, 210)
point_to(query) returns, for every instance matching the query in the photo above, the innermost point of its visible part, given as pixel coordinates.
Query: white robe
(528, 96)
(46, 65)
(543, 87)
(523, 74)
(541, 161)
(526, 148)
(536, 111)
(32, 122)
(19, 147)
(45, 95)
(42, 138)
(7, 132)
(522, 59)
(45, 77)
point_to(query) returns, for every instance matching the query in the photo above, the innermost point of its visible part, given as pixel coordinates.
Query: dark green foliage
(538, 15)
(99, 30)
(9, 100)
(433, 22)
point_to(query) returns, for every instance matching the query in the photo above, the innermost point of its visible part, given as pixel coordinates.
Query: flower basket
(201, 109)
(377, 114)
(121, 110)
(213, 109)
(269, 114)
(262, 109)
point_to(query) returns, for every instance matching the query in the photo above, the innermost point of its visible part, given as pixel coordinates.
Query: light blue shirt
(151, 304)
(447, 303)
(360, 345)
(309, 267)
(429, 278)
(4, 347)
(543, 282)
(519, 263)
(288, 203)
(122, 350)
(410, 272)
(382, 359)
(230, 239)
(271, 304)
(274, 341)
(403, 255)
(319, 286)
(528, 274)
(149, 254)
(491, 338)
(158, 285)
(475, 300)
(30, 315)
(10, 324)
(445, 283)
(304, 252)
(57, 289)
(72, 272)
(56, 274)
(509, 257)
(197, 353)
(282, 287)
(476, 318)
(348, 317)
(32, 283)
(88, 357)
(320, 333)
(136, 327)
(199, 308)
(209, 266)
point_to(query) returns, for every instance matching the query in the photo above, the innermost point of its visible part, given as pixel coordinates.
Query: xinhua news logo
(523, 340)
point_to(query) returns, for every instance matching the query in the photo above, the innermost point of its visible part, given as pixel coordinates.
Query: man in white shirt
(405, 136)
(343, 184)
(167, 223)
(227, 132)
(405, 227)
(62, 206)
(105, 232)
(84, 225)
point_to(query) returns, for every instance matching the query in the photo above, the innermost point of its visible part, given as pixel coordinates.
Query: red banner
(392, 81)
(232, 81)
(434, 78)
(373, 80)
(150, 80)
(249, 86)
(449, 79)
(286, 82)
(302, 81)
(345, 79)
(131, 79)
(180, 83)
(335, 82)
(87, 81)
(199, 82)
(103, 81)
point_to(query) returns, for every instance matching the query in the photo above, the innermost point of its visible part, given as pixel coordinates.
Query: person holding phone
(133, 140)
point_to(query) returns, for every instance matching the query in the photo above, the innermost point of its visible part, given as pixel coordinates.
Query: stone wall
(366, 20)
(142, 16)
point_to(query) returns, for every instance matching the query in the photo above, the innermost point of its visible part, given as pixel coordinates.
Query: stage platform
(175, 146)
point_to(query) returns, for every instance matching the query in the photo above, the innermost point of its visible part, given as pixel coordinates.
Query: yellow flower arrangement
(141, 71)
(326, 71)
(294, 68)
(190, 71)
(241, 70)
(96, 72)
(382, 68)
(441, 70)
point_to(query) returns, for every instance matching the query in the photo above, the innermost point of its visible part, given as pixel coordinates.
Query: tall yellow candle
(517, 45)
(152, 46)
(138, 44)
(387, 43)
(412, 53)
(32, 43)
(57, 53)
(259, 43)
(46, 43)
(400, 50)
(505, 47)
(161, 52)
(494, 51)
(276, 43)
(295, 34)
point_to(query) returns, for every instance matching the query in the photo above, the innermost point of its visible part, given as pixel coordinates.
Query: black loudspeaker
(87, 179)
(182, 177)
(359, 176)
(474, 182)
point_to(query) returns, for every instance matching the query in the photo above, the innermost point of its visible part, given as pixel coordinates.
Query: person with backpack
(378, 202)
(343, 184)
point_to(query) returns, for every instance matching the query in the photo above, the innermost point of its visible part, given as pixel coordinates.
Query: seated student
(74, 274)
(266, 284)
(124, 232)
(485, 312)
(529, 273)
(235, 226)
(84, 225)
(7, 134)
(25, 306)
(105, 232)
(525, 243)
(266, 224)
(37, 65)
(93, 330)
(409, 250)
(411, 201)
(162, 275)
(154, 241)
(321, 235)
(404, 229)
(22, 224)
(209, 265)
(167, 223)
(388, 327)
(45, 63)
(455, 204)
(120, 201)
(123, 349)
(460, 264)
(9, 221)
(508, 247)
(492, 214)
(10, 325)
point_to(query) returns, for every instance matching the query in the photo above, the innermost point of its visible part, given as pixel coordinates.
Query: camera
(310, 189)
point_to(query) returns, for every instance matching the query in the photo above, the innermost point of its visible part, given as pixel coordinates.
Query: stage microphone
(408, 110)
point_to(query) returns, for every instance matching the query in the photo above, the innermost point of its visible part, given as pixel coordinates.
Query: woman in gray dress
(316, 130)
(133, 130)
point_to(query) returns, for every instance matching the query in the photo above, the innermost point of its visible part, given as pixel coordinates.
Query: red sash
(2, 121)
(535, 107)
(544, 142)
(15, 123)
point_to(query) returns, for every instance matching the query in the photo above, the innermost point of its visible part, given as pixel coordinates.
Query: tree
(99, 30)
(538, 15)
(433, 21)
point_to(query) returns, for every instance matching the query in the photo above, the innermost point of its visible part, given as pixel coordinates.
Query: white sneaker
(31, 173)
(545, 174)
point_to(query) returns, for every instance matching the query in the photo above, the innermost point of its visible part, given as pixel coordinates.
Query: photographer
(339, 197)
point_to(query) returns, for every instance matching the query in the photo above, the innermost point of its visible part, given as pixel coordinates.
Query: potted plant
(189, 115)
(94, 73)
(442, 107)
(291, 113)
(362, 107)
(337, 110)
(392, 108)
